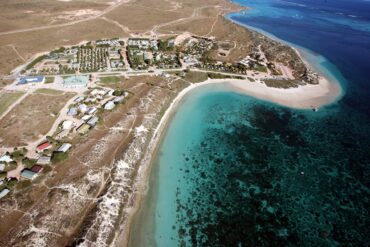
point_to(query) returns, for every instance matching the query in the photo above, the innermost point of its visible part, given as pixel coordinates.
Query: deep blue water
(236, 171)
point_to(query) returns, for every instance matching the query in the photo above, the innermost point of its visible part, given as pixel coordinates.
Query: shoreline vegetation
(308, 96)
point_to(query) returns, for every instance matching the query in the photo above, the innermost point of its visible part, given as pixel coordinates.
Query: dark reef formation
(267, 176)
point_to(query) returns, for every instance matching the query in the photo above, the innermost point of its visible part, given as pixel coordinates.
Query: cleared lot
(6, 99)
(31, 118)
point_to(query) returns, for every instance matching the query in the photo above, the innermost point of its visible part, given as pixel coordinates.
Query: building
(93, 121)
(82, 108)
(31, 80)
(4, 192)
(43, 146)
(68, 124)
(62, 134)
(64, 148)
(83, 129)
(120, 99)
(86, 118)
(76, 81)
(79, 99)
(109, 105)
(5, 158)
(91, 110)
(37, 168)
(43, 160)
(28, 174)
(72, 112)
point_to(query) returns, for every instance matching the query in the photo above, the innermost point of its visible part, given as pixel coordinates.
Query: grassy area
(195, 76)
(282, 83)
(34, 62)
(7, 99)
(222, 76)
(49, 91)
(110, 79)
(49, 79)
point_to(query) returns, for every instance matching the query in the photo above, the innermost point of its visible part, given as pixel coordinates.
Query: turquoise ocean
(233, 170)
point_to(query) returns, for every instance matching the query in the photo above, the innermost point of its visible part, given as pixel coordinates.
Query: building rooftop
(43, 146)
(36, 168)
(76, 81)
(4, 192)
(26, 173)
(31, 79)
(65, 147)
(43, 160)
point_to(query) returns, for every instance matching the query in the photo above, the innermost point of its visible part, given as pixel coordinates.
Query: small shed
(64, 148)
(43, 160)
(91, 110)
(62, 134)
(83, 129)
(109, 105)
(4, 192)
(6, 158)
(72, 112)
(67, 124)
(93, 121)
(37, 168)
(86, 117)
(82, 108)
(43, 146)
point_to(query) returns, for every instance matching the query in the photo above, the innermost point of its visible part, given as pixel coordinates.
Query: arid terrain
(87, 199)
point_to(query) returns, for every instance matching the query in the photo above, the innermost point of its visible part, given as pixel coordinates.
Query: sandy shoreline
(302, 97)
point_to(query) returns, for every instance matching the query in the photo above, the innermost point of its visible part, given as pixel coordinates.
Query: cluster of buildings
(152, 53)
(143, 44)
(82, 116)
(101, 55)
(255, 58)
(16, 166)
(109, 42)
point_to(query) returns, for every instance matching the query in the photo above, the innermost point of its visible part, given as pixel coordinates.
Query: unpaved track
(107, 10)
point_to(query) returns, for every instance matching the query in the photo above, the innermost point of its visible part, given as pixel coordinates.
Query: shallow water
(236, 171)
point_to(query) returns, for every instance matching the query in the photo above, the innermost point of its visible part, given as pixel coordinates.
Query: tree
(58, 157)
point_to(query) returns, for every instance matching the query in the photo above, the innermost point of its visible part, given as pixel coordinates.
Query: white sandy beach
(302, 97)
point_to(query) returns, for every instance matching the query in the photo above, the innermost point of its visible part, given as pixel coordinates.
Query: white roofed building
(65, 147)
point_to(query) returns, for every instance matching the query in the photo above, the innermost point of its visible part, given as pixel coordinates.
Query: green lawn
(110, 79)
(6, 99)
(49, 91)
(49, 80)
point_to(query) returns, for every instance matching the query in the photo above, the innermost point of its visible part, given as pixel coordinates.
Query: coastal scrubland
(31, 118)
(22, 14)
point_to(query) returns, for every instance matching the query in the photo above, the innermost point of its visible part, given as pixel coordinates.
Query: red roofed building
(37, 168)
(43, 146)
